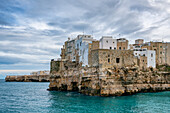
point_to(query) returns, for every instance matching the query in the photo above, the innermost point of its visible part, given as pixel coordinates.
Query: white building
(107, 42)
(81, 46)
(150, 54)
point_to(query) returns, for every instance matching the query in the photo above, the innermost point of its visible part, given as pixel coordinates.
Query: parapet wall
(110, 82)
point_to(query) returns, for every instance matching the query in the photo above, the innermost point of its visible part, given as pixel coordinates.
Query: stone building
(107, 42)
(122, 44)
(106, 58)
(166, 53)
(139, 41)
(92, 46)
(81, 46)
(70, 52)
(146, 58)
(162, 51)
(158, 47)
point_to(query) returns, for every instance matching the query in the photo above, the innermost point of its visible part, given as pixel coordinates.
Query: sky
(33, 31)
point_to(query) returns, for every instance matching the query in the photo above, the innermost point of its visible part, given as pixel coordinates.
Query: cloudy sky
(33, 31)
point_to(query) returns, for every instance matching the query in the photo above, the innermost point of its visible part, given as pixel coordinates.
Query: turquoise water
(23, 97)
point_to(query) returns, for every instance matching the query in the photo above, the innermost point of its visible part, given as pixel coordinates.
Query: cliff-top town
(109, 52)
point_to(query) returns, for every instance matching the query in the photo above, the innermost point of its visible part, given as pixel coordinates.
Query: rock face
(109, 82)
(28, 78)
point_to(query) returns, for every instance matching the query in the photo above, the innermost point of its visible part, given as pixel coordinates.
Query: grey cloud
(10, 60)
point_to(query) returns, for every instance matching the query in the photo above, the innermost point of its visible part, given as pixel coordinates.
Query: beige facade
(122, 44)
(105, 58)
(142, 62)
(166, 53)
(158, 47)
(139, 41)
(92, 46)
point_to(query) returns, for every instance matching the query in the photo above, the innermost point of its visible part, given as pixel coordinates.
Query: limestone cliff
(109, 82)
(28, 78)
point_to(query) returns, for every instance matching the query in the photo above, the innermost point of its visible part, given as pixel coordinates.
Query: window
(114, 48)
(143, 61)
(135, 53)
(113, 42)
(124, 48)
(160, 46)
(151, 55)
(108, 60)
(143, 54)
(108, 55)
(160, 52)
(110, 47)
(107, 41)
(119, 48)
(117, 60)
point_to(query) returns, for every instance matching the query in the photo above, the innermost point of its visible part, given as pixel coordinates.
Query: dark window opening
(117, 60)
(114, 48)
(107, 41)
(109, 60)
(110, 47)
(119, 48)
(124, 48)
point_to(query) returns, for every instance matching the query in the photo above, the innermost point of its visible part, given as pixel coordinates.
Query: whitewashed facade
(150, 54)
(81, 45)
(107, 42)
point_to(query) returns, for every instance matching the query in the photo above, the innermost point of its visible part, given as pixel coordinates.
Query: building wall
(95, 45)
(150, 56)
(139, 41)
(107, 42)
(143, 62)
(105, 58)
(82, 48)
(122, 44)
(84, 54)
(70, 49)
(166, 53)
(158, 47)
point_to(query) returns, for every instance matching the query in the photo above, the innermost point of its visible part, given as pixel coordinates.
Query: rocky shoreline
(110, 82)
(28, 78)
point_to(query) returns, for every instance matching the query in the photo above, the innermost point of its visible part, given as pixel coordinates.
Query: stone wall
(122, 45)
(55, 66)
(104, 58)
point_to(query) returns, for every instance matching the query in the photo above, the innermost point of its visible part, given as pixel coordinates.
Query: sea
(33, 97)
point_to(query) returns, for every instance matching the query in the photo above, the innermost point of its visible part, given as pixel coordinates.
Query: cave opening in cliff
(74, 86)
